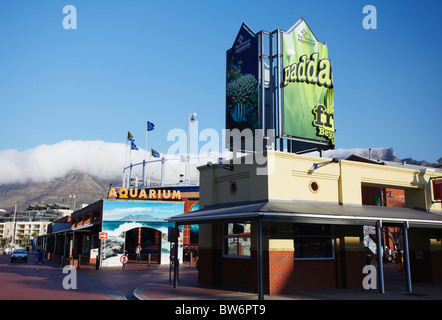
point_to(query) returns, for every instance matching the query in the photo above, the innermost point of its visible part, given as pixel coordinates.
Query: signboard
(122, 216)
(308, 107)
(144, 194)
(437, 190)
(102, 235)
(124, 259)
(242, 64)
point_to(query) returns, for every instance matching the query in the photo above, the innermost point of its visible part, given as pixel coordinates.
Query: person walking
(138, 252)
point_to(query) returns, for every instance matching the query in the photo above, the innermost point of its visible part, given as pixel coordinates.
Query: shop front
(100, 233)
(301, 225)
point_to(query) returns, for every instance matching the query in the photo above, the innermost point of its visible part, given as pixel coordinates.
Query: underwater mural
(242, 82)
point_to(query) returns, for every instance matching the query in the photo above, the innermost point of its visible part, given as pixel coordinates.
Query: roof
(310, 212)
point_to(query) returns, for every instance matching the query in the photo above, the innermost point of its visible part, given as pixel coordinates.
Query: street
(32, 281)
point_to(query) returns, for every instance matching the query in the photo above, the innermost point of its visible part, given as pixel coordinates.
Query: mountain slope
(87, 189)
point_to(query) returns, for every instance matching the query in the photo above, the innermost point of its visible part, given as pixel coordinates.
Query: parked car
(19, 255)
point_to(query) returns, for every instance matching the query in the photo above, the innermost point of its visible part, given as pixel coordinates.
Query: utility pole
(13, 233)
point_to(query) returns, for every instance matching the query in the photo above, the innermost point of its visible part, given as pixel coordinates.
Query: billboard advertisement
(242, 81)
(308, 108)
(120, 218)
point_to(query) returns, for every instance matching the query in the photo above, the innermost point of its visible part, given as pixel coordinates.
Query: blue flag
(150, 126)
(133, 146)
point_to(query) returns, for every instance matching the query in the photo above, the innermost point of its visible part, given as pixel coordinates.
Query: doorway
(150, 241)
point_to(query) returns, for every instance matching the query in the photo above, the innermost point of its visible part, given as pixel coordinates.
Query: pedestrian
(138, 252)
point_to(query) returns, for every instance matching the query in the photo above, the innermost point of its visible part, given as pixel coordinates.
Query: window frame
(326, 237)
(226, 236)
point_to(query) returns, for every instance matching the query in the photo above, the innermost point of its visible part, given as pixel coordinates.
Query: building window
(313, 241)
(237, 241)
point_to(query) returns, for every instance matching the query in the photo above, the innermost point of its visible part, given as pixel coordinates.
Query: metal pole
(380, 262)
(144, 170)
(175, 262)
(279, 88)
(260, 261)
(407, 258)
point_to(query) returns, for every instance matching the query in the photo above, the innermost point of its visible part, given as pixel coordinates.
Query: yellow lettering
(166, 196)
(123, 193)
(133, 193)
(143, 194)
(112, 193)
(152, 194)
(176, 194)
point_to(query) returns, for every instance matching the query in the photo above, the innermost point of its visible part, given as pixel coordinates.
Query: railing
(162, 172)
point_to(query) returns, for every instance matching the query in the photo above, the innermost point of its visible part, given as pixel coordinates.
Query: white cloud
(47, 162)
(106, 160)
(101, 159)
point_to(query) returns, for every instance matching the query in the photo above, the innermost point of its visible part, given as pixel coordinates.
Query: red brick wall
(282, 273)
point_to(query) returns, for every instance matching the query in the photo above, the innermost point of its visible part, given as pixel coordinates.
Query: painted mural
(119, 217)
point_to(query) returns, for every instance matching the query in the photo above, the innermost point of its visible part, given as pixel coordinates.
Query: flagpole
(125, 161)
(145, 151)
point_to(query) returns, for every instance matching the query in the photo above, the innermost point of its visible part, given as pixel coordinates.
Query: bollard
(148, 260)
(191, 257)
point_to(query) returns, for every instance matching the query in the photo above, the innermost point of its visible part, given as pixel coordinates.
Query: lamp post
(191, 119)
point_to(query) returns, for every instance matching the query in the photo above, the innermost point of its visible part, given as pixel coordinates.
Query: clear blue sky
(132, 61)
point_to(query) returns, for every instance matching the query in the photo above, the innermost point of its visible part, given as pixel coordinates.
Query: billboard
(308, 108)
(242, 65)
(120, 217)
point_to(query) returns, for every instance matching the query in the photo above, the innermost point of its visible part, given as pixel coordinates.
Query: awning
(310, 212)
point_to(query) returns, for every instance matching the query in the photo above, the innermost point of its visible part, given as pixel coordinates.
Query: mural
(122, 216)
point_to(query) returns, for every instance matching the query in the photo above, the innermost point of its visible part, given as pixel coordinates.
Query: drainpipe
(379, 254)
(407, 257)
(260, 261)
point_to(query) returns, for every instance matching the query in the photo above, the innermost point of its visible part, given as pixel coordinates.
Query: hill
(84, 187)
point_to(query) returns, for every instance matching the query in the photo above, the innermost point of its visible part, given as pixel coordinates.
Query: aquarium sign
(308, 107)
(144, 194)
(242, 81)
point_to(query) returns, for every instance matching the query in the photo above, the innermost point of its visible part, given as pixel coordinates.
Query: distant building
(29, 223)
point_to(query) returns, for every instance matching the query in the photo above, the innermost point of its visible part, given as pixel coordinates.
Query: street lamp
(191, 119)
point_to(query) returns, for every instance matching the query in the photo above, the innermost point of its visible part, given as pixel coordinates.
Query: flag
(155, 153)
(150, 126)
(130, 137)
(133, 146)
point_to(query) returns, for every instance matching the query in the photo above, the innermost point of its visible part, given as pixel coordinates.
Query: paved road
(31, 281)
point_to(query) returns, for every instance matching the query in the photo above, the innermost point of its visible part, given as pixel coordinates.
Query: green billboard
(308, 109)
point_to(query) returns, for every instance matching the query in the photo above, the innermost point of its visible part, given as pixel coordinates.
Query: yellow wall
(289, 177)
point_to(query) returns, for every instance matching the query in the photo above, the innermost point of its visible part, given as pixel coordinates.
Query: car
(19, 255)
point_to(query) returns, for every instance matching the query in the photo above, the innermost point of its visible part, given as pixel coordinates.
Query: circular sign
(124, 259)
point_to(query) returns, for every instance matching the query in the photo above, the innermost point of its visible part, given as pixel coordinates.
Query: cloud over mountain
(106, 160)
(47, 162)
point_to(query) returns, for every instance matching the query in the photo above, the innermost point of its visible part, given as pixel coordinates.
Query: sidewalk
(137, 282)
(189, 289)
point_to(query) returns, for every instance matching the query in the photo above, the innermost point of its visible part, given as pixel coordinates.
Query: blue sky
(132, 61)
